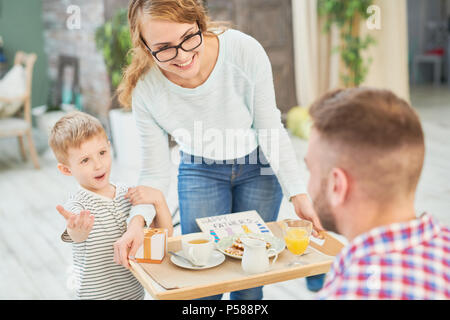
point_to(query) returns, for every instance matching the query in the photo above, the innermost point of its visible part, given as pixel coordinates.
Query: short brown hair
(377, 134)
(71, 131)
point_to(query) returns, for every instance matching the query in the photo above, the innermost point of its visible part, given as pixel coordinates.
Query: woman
(211, 88)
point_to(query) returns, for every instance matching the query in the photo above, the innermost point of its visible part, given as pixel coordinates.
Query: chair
(435, 60)
(21, 126)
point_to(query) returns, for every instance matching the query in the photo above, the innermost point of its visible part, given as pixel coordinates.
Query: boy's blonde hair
(71, 131)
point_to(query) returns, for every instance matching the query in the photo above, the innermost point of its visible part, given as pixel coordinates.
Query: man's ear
(65, 170)
(338, 187)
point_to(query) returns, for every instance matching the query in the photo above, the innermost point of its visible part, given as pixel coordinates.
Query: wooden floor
(36, 264)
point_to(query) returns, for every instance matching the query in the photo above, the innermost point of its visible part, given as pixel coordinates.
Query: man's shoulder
(445, 232)
(440, 233)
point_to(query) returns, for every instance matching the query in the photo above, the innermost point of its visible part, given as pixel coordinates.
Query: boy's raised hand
(78, 225)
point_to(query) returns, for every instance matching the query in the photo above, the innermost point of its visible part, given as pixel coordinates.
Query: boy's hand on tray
(126, 247)
(78, 225)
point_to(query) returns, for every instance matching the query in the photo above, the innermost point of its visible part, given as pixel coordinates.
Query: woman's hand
(149, 195)
(78, 225)
(144, 195)
(304, 209)
(127, 245)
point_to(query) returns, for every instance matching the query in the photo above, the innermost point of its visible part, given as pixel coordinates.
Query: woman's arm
(155, 156)
(155, 172)
(149, 195)
(272, 136)
(275, 142)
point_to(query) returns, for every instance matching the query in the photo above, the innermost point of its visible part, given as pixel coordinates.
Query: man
(365, 156)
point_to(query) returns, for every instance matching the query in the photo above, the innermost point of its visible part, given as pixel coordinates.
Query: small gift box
(154, 247)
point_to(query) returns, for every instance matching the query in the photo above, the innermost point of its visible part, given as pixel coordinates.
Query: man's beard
(322, 207)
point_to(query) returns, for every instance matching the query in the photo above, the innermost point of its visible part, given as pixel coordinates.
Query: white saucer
(215, 259)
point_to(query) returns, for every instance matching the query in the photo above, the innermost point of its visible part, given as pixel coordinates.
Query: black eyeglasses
(190, 43)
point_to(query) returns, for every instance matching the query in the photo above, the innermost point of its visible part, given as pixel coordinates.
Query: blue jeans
(207, 188)
(315, 283)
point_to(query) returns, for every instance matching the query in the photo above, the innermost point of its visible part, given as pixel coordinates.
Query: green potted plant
(114, 41)
(347, 16)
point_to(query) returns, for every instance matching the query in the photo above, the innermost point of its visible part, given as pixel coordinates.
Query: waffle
(234, 251)
(238, 244)
(237, 248)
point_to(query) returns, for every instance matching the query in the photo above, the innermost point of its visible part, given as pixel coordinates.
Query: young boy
(96, 215)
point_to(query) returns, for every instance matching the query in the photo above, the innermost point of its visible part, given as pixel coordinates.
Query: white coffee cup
(197, 247)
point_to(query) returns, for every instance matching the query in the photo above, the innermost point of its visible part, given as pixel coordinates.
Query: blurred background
(61, 55)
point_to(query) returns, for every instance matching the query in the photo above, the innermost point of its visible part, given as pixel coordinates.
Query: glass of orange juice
(296, 234)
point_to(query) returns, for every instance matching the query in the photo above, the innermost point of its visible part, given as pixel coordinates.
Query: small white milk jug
(256, 257)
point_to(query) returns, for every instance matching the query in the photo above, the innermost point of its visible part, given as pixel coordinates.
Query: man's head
(366, 148)
(81, 147)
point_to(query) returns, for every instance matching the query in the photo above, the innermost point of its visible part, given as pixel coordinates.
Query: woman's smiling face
(159, 34)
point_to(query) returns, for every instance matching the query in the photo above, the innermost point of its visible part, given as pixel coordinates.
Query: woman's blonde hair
(182, 11)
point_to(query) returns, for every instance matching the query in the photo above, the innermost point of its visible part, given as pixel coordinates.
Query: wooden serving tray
(168, 281)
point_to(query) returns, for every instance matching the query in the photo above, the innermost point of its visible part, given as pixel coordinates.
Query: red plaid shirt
(409, 260)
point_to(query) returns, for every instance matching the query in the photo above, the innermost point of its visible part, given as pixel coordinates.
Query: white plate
(215, 259)
(276, 243)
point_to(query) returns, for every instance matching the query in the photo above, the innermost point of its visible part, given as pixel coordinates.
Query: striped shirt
(408, 261)
(96, 274)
